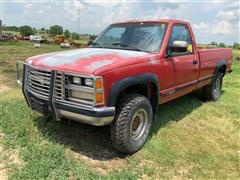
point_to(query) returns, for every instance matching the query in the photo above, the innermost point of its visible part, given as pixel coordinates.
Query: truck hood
(88, 60)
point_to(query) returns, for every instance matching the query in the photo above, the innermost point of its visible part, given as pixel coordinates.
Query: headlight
(77, 80)
(89, 82)
(81, 95)
(84, 89)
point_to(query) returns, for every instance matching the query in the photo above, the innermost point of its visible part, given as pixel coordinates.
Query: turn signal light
(98, 83)
(99, 97)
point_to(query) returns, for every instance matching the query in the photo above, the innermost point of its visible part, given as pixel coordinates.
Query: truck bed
(210, 57)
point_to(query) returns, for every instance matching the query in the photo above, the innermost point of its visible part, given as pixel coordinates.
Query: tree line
(221, 44)
(52, 31)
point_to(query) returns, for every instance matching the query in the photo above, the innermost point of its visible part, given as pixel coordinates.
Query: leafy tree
(67, 33)
(26, 30)
(75, 36)
(213, 43)
(236, 45)
(55, 30)
(221, 45)
(92, 37)
(42, 29)
(34, 30)
(10, 28)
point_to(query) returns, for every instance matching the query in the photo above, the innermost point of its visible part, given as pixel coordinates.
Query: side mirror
(89, 42)
(179, 46)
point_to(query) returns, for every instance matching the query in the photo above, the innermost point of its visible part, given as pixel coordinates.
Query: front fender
(124, 83)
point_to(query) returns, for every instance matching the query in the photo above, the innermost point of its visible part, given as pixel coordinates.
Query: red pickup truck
(123, 76)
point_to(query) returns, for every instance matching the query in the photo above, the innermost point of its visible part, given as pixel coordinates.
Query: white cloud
(102, 13)
(222, 27)
(201, 26)
(221, 1)
(226, 22)
(232, 5)
(218, 27)
(231, 15)
(40, 11)
(102, 3)
(163, 13)
(28, 6)
(72, 9)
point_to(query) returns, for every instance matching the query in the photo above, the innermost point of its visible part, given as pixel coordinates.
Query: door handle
(195, 62)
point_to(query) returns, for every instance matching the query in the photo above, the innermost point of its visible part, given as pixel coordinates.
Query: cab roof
(154, 20)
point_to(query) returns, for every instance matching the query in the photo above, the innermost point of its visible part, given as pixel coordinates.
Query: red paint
(172, 72)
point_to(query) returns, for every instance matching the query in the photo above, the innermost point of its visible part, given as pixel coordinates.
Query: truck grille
(62, 91)
(59, 86)
(38, 81)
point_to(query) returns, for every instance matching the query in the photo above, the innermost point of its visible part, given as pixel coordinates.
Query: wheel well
(222, 69)
(148, 90)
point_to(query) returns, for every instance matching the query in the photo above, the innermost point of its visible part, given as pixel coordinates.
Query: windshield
(141, 36)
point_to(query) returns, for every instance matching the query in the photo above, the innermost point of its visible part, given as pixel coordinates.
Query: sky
(212, 20)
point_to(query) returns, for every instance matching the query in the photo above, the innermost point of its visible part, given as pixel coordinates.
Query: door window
(180, 32)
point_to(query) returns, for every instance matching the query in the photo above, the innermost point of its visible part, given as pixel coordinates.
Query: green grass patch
(43, 155)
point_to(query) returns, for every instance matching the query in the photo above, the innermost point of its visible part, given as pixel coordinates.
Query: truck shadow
(82, 139)
(177, 109)
(94, 142)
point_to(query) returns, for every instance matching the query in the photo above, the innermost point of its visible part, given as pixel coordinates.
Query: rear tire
(132, 123)
(212, 92)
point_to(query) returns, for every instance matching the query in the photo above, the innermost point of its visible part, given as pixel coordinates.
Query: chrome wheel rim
(217, 88)
(138, 124)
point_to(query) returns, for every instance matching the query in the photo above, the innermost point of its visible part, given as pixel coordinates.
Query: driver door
(186, 64)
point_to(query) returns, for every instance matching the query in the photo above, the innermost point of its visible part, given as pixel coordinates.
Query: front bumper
(98, 116)
(95, 116)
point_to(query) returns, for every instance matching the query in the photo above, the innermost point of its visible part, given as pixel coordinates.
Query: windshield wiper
(129, 47)
(97, 44)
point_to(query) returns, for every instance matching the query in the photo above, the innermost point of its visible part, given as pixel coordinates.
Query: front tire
(212, 92)
(132, 123)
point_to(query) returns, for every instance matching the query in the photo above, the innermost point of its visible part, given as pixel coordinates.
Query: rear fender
(219, 66)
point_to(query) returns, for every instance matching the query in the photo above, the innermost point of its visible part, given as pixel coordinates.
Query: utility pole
(1, 19)
(78, 25)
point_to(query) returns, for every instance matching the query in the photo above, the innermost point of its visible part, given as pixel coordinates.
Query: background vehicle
(121, 78)
(58, 39)
(35, 38)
